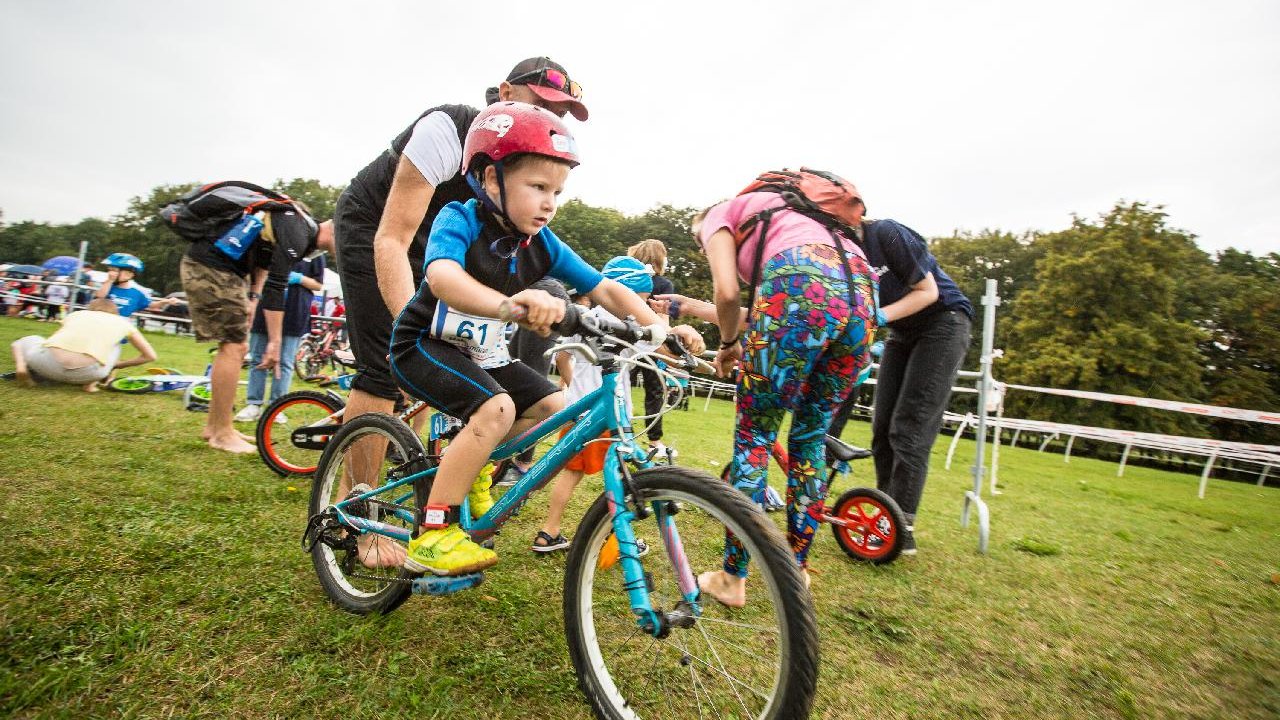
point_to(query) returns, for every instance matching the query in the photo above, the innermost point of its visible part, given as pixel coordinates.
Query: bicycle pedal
(446, 585)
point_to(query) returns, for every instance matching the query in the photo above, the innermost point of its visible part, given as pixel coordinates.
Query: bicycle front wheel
(759, 661)
(362, 574)
(290, 412)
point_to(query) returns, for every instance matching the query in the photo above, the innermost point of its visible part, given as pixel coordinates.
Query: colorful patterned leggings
(804, 348)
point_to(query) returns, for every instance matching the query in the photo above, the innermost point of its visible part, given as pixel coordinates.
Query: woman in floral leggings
(799, 350)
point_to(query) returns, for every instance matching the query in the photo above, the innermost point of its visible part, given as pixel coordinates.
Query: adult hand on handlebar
(535, 309)
(727, 358)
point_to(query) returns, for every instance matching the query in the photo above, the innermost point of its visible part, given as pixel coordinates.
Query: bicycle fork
(621, 549)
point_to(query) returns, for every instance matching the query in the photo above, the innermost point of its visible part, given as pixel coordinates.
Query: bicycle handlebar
(576, 322)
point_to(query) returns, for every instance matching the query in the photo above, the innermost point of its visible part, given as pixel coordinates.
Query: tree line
(1121, 303)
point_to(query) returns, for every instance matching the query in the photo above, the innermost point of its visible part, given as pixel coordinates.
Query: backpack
(210, 210)
(819, 195)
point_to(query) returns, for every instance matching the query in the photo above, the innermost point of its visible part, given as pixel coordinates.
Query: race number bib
(483, 339)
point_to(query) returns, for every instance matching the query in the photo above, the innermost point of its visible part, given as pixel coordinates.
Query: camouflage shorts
(219, 302)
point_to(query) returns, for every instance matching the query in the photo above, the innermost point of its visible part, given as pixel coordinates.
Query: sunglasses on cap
(552, 78)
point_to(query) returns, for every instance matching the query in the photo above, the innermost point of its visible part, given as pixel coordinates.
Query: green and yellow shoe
(479, 500)
(447, 551)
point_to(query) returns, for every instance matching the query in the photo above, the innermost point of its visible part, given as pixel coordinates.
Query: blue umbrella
(25, 270)
(62, 264)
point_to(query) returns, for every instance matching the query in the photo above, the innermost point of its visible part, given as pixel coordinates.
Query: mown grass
(143, 575)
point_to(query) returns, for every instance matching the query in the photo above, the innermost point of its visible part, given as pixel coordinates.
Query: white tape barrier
(1175, 405)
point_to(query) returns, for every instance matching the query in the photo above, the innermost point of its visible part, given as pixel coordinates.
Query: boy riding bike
(448, 346)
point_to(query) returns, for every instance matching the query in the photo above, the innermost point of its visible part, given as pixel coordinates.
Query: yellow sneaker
(479, 499)
(447, 551)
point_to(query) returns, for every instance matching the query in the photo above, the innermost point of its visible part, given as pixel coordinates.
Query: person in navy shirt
(929, 321)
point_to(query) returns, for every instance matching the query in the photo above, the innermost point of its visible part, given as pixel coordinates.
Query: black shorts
(368, 320)
(438, 373)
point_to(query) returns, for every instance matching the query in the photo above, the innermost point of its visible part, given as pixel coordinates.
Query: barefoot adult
(224, 290)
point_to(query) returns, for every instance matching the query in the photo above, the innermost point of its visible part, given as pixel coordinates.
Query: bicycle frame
(596, 413)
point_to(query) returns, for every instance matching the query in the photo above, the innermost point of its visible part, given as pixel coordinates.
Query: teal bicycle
(643, 639)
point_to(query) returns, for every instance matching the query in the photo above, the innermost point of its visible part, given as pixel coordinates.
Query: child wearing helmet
(120, 287)
(448, 345)
(582, 378)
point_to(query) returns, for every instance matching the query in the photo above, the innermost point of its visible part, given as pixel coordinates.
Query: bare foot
(23, 376)
(376, 551)
(207, 434)
(91, 387)
(728, 590)
(232, 443)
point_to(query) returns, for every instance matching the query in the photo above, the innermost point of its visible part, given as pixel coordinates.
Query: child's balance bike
(867, 524)
(195, 388)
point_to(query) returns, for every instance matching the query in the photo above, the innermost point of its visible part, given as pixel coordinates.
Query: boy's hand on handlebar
(540, 310)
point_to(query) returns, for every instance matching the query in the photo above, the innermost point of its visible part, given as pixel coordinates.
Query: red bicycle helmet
(510, 128)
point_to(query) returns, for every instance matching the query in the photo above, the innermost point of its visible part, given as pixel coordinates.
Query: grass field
(144, 575)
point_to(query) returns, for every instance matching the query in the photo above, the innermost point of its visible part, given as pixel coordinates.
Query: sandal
(544, 543)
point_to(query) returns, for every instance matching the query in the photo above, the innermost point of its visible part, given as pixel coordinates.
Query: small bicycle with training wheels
(639, 630)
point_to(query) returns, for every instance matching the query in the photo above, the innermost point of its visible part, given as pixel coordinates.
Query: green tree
(970, 259)
(594, 233)
(1104, 315)
(321, 199)
(1242, 352)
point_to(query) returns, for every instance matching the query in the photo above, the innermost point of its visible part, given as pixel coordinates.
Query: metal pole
(1204, 477)
(990, 300)
(1124, 458)
(75, 283)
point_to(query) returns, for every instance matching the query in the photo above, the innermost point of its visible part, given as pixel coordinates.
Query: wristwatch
(253, 295)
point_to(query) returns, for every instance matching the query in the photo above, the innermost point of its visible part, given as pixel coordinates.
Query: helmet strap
(498, 210)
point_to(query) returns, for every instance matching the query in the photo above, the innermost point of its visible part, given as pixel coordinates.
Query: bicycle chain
(382, 578)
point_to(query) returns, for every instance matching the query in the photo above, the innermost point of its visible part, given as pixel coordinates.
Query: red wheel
(872, 527)
(278, 447)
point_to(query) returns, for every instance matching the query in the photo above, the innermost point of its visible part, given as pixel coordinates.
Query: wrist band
(730, 343)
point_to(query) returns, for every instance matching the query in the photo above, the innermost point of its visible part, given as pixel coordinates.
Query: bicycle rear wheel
(290, 412)
(759, 661)
(873, 527)
(348, 573)
(302, 360)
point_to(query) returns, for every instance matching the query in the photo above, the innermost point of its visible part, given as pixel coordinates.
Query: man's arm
(407, 204)
(146, 353)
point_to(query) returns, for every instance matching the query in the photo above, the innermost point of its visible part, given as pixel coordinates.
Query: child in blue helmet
(580, 378)
(120, 286)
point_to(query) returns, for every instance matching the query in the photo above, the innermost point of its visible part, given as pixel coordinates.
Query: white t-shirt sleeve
(434, 149)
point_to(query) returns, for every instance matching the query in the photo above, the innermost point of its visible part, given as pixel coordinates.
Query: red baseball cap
(549, 81)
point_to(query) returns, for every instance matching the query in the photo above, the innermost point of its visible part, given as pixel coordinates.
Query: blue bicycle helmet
(632, 273)
(123, 261)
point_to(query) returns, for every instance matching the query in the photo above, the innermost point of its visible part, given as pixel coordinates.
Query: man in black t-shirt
(224, 292)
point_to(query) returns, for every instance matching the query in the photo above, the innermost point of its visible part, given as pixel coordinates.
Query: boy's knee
(494, 418)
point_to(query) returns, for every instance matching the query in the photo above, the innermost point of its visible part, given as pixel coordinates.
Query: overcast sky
(947, 114)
